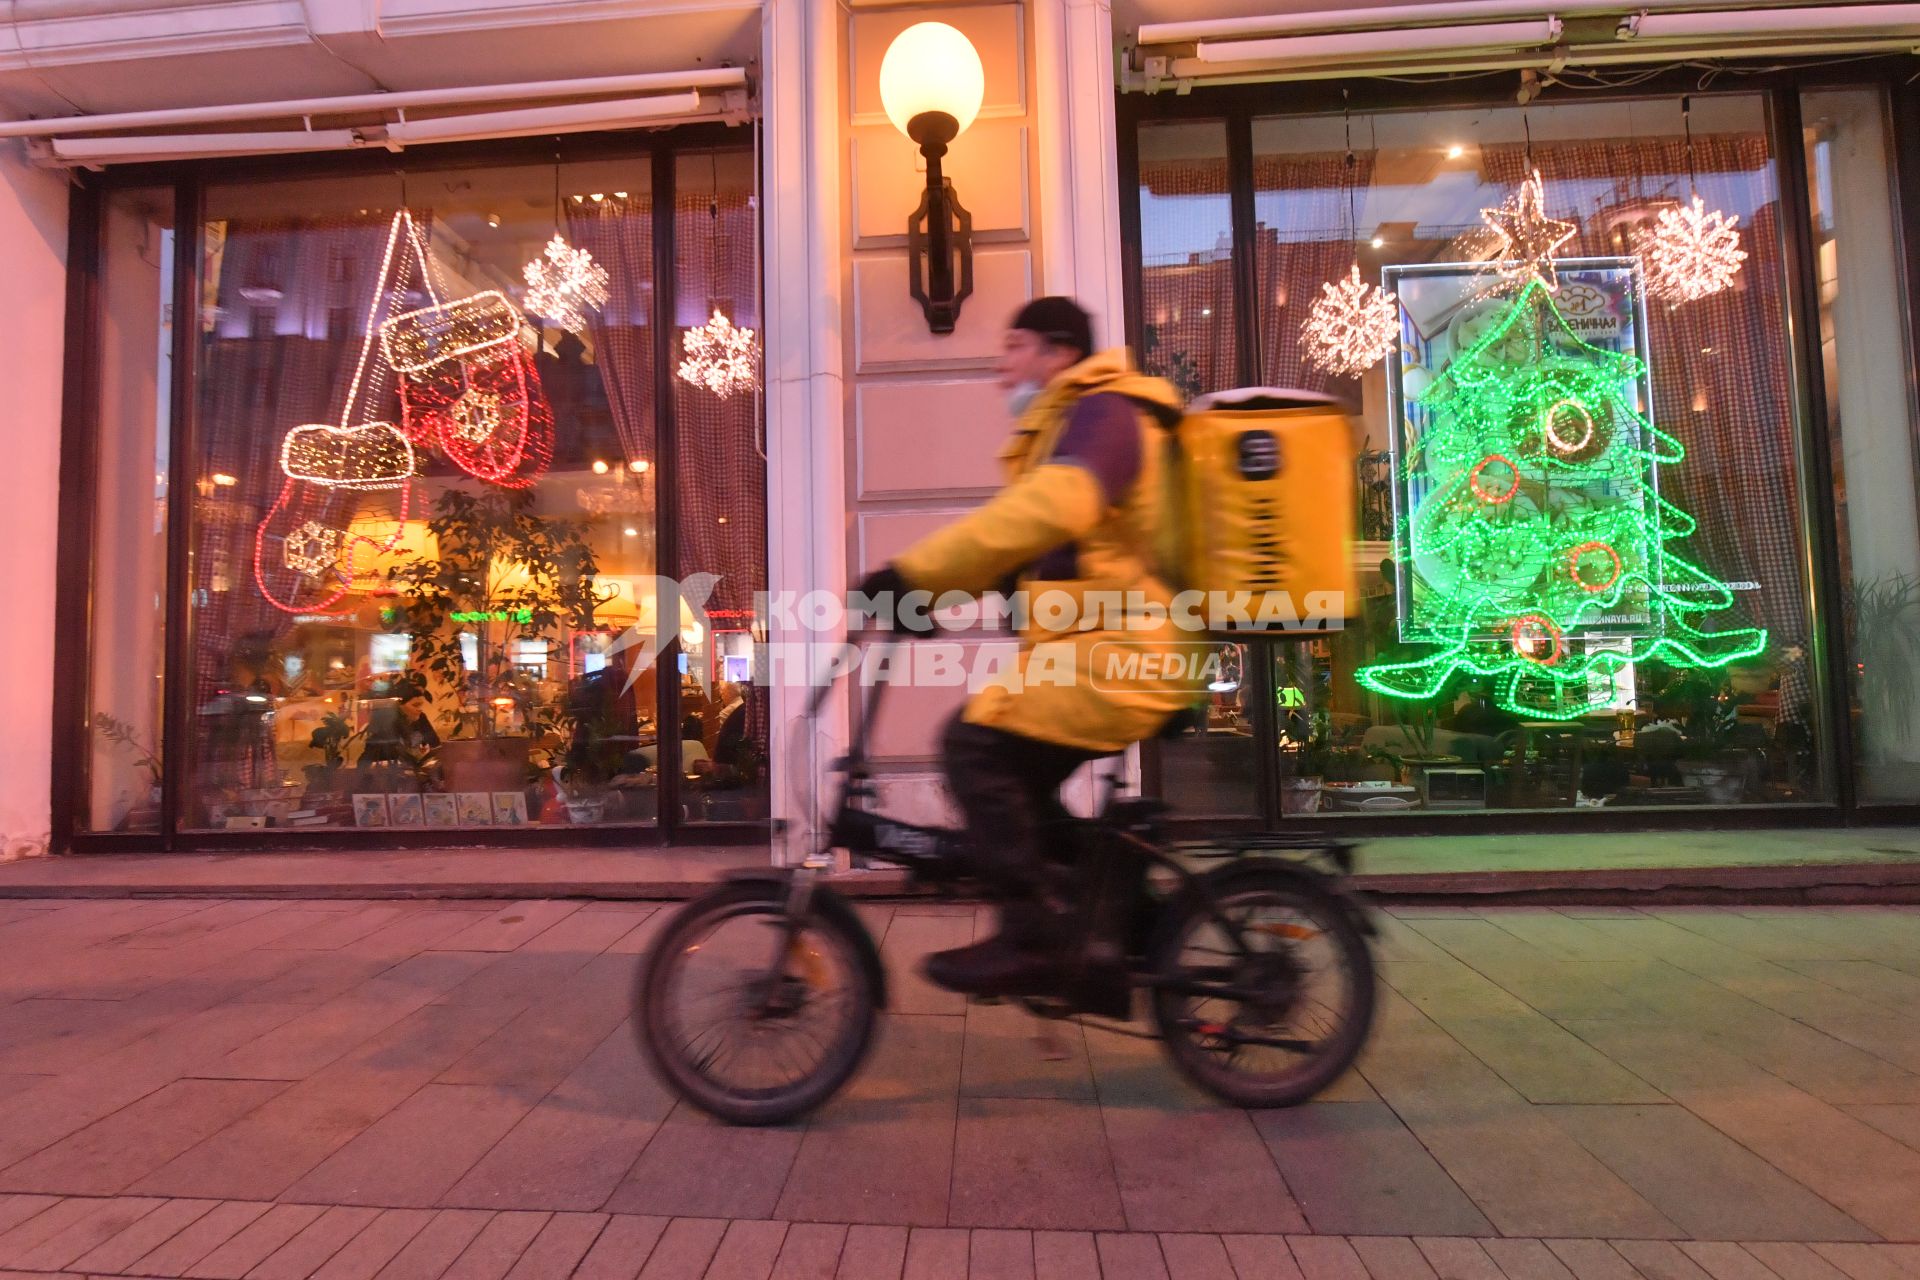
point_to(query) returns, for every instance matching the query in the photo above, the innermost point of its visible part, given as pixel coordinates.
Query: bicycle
(1222, 936)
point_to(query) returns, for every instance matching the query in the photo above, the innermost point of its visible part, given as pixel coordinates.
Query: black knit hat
(1060, 321)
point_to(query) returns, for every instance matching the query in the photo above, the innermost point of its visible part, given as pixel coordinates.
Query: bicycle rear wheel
(1272, 1019)
(749, 1017)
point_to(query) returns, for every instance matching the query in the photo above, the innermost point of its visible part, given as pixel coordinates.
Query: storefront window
(721, 501)
(1213, 762)
(1454, 687)
(428, 587)
(127, 688)
(1867, 358)
(1186, 256)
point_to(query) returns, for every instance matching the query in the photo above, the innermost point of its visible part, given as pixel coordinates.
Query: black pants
(1008, 786)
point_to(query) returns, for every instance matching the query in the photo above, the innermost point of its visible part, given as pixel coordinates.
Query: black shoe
(996, 966)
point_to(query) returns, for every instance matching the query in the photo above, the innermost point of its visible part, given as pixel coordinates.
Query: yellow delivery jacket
(1103, 687)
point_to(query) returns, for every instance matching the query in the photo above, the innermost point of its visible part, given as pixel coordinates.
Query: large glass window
(433, 580)
(126, 689)
(1457, 686)
(720, 507)
(1867, 358)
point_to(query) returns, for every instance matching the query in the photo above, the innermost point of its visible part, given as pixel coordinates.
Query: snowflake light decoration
(476, 415)
(1529, 239)
(312, 549)
(1694, 252)
(565, 286)
(720, 357)
(1351, 327)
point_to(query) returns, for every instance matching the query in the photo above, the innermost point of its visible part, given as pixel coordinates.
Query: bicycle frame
(930, 853)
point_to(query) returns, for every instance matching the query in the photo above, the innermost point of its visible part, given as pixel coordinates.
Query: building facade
(353, 520)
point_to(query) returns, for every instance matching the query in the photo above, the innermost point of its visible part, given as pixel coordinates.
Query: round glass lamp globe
(932, 67)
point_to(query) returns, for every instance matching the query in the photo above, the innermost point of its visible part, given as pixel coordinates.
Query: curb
(1830, 884)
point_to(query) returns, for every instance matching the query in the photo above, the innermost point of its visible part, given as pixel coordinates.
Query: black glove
(886, 588)
(885, 580)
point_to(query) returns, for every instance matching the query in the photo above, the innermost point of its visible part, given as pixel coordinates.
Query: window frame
(80, 425)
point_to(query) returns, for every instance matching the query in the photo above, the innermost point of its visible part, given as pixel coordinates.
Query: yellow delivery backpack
(1260, 500)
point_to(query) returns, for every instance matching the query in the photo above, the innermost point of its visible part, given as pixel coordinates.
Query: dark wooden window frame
(80, 423)
(1236, 106)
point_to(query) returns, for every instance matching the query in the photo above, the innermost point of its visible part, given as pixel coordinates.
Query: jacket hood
(1113, 372)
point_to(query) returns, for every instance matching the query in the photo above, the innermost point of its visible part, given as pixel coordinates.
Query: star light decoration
(566, 285)
(1351, 326)
(1694, 252)
(720, 357)
(1529, 239)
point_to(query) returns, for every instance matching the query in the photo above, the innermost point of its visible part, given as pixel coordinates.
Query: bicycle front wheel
(751, 1016)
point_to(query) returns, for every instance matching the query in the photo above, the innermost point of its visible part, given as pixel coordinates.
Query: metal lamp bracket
(940, 232)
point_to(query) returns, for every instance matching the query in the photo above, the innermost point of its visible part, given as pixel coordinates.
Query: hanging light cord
(1686, 125)
(759, 320)
(1353, 222)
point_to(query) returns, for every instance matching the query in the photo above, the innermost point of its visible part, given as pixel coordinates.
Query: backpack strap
(1167, 415)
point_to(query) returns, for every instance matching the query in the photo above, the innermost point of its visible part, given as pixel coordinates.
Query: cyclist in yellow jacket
(1075, 526)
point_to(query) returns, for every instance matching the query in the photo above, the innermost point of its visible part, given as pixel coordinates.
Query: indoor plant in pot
(583, 775)
(502, 573)
(1708, 762)
(122, 735)
(330, 739)
(1883, 621)
(1300, 793)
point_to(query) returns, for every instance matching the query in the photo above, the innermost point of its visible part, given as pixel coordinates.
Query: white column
(806, 397)
(1080, 249)
(1079, 193)
(33, 227)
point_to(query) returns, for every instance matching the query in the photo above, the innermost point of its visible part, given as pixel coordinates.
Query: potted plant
(502, 573)
(583, 777)
(1419, 731)
(1883, 619)
(122, 735)
(330, 738)
(1300, 793)
(1708, 761)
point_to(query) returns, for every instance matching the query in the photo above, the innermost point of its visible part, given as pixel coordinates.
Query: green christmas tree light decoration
(1539, 519)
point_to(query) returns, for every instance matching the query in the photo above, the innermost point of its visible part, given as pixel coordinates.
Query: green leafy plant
(591, 758)
(503, 572)
(331, 738)
(1177, 367)
(1883, 618)
(122, 735)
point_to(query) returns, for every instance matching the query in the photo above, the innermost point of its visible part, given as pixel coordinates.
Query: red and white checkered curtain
(1301, 241)
(1721, 366)
(1186, 298)
(270, 361)
(722, 485)
(618, 232)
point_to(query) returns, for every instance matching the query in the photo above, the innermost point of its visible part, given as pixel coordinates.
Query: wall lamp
(931, 83)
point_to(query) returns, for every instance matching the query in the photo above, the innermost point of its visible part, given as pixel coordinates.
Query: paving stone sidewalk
(338, 1089)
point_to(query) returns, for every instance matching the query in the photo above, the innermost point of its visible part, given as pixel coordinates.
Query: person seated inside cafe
(402, 729)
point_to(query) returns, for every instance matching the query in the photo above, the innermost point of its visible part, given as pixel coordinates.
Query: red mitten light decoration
(486, 412)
